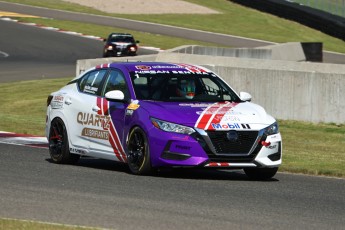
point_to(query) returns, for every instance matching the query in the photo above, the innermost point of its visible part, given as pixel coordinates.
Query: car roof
(158, 66)
(150, 66)
(121, 34)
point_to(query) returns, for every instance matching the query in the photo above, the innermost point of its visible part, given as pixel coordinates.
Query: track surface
(28, 52)
(34, 53)
(104, 194)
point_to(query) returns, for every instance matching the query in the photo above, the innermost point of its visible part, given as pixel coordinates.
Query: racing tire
(138, 152)
(260, 173)
(58, 144)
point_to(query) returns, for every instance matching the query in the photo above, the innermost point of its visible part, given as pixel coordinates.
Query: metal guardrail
(336, 7)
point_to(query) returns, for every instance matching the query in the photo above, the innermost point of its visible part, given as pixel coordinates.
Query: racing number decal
(114, 140)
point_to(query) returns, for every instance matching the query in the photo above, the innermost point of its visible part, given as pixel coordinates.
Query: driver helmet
(186, 88)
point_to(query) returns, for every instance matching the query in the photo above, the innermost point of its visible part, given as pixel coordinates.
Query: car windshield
(170, 86)
(122, 38)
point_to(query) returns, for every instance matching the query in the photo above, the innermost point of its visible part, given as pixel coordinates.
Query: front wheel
(58, 144)
(260, 173)
(138, 154)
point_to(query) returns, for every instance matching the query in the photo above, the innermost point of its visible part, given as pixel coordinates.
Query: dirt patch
(145, 6)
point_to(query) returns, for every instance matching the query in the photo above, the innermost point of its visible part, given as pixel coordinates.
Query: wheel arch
(145, 160)
(130, 131)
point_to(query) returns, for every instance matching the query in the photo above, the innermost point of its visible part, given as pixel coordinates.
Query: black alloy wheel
(138, 154)
(58, 144)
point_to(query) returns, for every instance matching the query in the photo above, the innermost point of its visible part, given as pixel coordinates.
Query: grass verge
(316, 149)
(14, 224)
(22, 108)
(146, 39)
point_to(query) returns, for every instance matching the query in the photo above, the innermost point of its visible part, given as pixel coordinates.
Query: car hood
(210, 116)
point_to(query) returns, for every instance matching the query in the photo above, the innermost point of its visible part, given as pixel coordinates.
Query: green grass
(13, 224)
(336, 7)
(24, 111)
(146, 39)
(316, 149)
(232, 19)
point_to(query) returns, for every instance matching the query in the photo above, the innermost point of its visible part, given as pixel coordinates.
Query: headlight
(109, 47)
(272, 129)
(171, 127)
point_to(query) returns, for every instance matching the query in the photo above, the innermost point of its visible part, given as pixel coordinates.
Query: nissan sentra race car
(152, 115)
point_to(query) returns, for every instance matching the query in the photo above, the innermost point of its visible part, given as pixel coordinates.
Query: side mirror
(104, 39)
(137, 41)
(115, 95)
(245, 96)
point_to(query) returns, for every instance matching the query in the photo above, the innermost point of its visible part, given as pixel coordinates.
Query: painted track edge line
(23, 140)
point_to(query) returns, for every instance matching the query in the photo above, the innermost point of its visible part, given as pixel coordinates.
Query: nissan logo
(232, 136)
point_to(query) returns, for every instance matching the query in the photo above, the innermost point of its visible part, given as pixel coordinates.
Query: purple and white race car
(152, 115)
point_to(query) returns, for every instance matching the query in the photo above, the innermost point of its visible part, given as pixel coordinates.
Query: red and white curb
(68, 32)
(52, 28)
(23, 139)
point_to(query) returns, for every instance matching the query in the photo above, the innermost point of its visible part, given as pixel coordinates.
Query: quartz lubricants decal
(114, 140)
(97, 121)
(213, 115)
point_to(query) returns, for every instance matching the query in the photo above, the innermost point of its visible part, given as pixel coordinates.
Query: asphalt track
(35, 53)
(29, 52)
(104, 194)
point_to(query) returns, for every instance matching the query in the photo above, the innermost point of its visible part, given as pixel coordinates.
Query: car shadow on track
(95, 163)
(206, 174)
(174, 173)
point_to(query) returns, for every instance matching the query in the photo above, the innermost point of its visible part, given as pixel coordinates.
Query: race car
(120, 44)
(151, 115)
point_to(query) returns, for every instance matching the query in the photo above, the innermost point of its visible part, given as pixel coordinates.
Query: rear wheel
(58, 144)
(138, 156)
(260, 173)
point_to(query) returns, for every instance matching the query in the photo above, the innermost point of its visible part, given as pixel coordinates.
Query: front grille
(217, 137)
(121, 48)
(243, 144)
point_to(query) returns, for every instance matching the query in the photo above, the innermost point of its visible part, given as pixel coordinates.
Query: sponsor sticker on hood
(214, 114)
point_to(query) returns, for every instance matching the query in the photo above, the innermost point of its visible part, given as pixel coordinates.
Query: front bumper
(120, 51)
(204, 150)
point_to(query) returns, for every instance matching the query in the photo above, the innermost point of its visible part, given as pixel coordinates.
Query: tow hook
(265, 143)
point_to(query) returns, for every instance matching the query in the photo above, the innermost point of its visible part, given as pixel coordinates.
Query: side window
(91, 82)
(211, 87)
(141, 87)
(116, 81)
